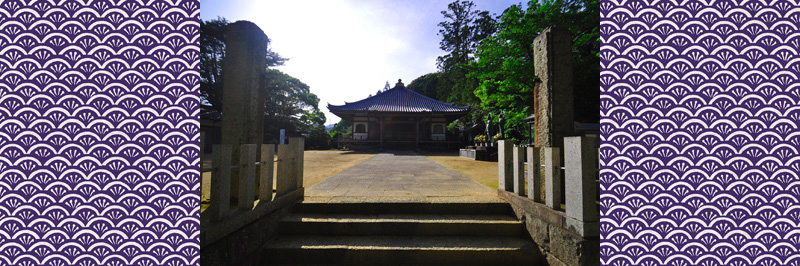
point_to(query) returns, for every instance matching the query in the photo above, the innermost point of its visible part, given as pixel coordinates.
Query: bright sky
(346, 50)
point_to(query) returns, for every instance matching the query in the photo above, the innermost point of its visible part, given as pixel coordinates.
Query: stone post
(299, 149)
(534, 182)
(289, 176)
(220, 182)
(519, 170)
(244, 90)
(282, 180)
(247, 176)
(552, 177)
(202, 152)
(266, 172)
(580, 164)
(504, 165)
(553, 92)
(552, 56)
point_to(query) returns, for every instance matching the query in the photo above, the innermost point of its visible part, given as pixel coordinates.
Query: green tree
(505, 67)
(462, 31)
(212, 51)
(212, 55)
(341, 128)
(434, 85)
(313, 122)
(289, 104)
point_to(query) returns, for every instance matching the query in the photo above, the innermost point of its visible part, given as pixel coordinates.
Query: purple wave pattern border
(99, 142)
(699, 155)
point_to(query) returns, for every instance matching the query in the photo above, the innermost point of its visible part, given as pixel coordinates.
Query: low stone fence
(568, 236)
(467, 153)
(232, 234)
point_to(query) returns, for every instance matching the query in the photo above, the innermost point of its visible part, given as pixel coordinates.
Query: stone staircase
(401, 234)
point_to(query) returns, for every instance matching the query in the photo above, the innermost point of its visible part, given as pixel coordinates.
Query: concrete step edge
(388, 250)
(397, 208)
(477, 243)
(400, 218)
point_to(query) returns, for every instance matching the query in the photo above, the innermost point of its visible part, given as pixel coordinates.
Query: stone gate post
(552, 52)
(243, 90)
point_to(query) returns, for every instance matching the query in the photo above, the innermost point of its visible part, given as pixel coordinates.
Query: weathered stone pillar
(285, 180)
(580, 173)
(243, 90)
(247, 176)
(504, 165)
(519, 170)
(266, 171)
(552, 177)
(552, 55)
(534, 168)
(301, 144)
(202, 153)
(220, 182)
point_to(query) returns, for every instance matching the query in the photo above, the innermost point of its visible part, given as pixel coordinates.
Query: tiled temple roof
(399, 99)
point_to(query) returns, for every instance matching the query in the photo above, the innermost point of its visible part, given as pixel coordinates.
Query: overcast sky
(346, 50)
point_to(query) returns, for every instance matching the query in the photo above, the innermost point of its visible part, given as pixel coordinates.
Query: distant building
(399, 118)
(211, 127)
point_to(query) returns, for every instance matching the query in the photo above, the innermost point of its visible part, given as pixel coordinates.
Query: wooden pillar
(380, 120)
(416, 142)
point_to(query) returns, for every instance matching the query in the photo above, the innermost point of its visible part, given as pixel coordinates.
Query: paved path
(400, 177)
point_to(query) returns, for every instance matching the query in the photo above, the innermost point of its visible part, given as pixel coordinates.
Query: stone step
(398, 208)
(401, 224)
(400, 250)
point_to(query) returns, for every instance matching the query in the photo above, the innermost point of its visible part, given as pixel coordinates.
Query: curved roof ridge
(399, 99)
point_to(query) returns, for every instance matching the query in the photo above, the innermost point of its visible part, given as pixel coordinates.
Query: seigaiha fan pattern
(699, 158)
(99, 134)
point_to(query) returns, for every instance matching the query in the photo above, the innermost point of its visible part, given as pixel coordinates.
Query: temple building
(399, 118)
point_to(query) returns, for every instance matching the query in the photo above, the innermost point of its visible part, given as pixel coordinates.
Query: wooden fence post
(266, 171)
(221, 182)
(552, 177)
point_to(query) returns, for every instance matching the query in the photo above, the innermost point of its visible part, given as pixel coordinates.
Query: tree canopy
(495, 72)
(505, 66)
(289, 103)
(462, 30)
(212, 54)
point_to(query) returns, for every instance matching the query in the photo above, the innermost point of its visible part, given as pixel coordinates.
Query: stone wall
(242, 247)
(551, 230)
